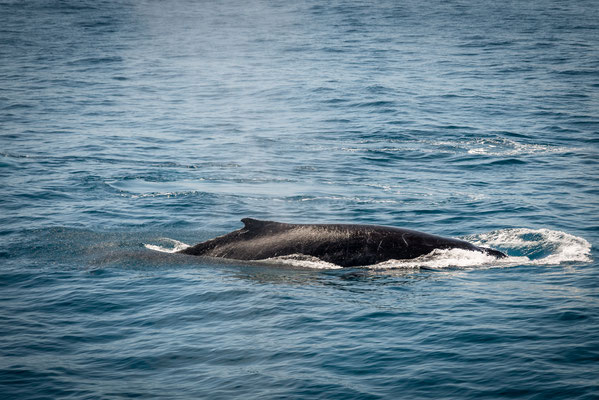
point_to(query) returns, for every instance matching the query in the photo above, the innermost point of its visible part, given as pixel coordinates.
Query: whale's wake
(538, 246)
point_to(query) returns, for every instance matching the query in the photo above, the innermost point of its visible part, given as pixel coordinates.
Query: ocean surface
(130, 129)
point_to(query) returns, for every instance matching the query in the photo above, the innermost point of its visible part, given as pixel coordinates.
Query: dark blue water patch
(572, 316)
(17, 106)
(380, 90)
(19, 382)
(578, 72)
(585, 121)
(100, 23)
(504, 162)
(376, 104)
(485, 161)
(335, 101)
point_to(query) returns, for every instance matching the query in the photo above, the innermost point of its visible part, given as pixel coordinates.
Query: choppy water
(130, 127)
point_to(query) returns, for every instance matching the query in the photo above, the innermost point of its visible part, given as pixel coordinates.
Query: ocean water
(129, 129)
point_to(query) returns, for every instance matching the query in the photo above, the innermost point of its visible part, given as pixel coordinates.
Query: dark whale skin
(341, 244)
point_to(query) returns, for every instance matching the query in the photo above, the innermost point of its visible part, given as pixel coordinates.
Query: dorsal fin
(252, 224)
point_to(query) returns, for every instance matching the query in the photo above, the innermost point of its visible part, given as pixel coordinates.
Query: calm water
(131, 127)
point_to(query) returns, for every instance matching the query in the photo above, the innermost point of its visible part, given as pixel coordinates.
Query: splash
(538, 246)
(175, 246)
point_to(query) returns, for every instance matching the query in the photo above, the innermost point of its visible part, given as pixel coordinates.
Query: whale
(345, 245)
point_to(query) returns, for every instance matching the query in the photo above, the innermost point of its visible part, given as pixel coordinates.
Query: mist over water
(129, 130)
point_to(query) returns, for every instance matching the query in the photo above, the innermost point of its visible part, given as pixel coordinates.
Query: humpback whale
(345, 245)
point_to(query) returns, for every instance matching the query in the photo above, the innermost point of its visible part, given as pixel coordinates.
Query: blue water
(131, 128)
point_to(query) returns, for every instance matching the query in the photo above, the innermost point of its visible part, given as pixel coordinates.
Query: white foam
(301, 260)
(506, 147)
(176, 246)
(500, 147)
(441, 259)
(561, 246)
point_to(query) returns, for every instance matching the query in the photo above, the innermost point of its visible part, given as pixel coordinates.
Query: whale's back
(341, 244)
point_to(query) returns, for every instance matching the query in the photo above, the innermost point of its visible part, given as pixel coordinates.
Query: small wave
(175, 246)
